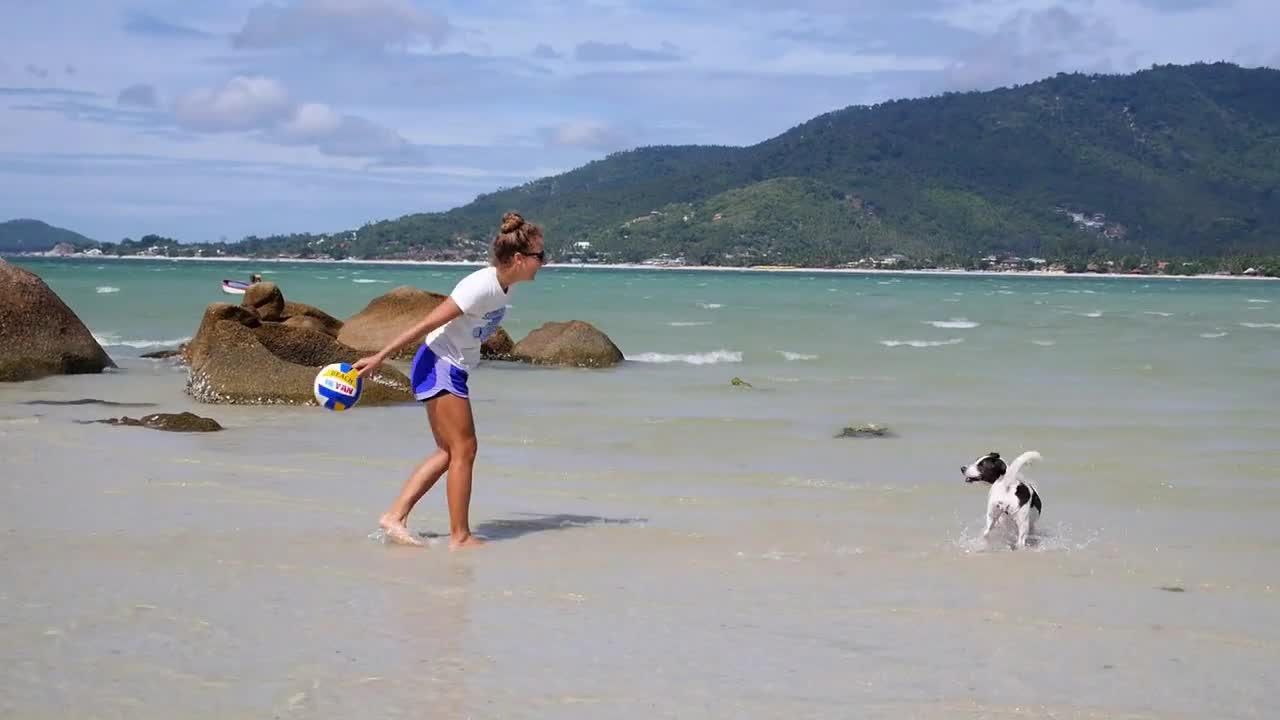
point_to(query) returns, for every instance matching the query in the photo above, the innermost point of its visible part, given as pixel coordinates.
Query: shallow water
(665, 544)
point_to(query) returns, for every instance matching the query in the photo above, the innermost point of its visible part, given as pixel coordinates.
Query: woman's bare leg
(422, 479)
(452, 421)
(426, 474)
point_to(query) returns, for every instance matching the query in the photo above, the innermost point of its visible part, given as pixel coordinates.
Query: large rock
(302, 315)
(498, 346)
(39, 334)
(197, 349)
(386, 316)
(573, 343)
(237, 358)
(265, 299)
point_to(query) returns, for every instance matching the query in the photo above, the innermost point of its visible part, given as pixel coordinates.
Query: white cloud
(263, 104)
(243, 103)
(311, 121)
(585, 133)
(1031, 44)
(342, 25)
(347, 136)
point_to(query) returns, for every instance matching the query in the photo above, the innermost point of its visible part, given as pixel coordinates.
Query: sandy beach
(237, 575)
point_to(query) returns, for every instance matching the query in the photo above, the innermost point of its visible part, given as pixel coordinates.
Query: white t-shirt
(483, 306)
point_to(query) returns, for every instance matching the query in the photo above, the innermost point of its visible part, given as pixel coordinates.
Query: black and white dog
(1009, 496)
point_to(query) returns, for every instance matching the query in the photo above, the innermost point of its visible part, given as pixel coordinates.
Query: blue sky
(209, 119)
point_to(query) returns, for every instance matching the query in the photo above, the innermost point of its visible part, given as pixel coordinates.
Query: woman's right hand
(367, 365)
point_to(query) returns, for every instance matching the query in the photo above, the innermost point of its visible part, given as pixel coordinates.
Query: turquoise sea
(665, 543)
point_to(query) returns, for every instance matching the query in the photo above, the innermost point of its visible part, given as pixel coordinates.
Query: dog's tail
(1016, 466)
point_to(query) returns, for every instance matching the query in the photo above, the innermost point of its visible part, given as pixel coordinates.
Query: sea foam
(110, 339)
(707, 358)
(953, 323)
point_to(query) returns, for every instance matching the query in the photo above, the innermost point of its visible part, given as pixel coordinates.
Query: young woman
(454, 331)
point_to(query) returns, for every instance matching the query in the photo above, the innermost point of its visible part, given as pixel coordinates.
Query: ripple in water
(921, 343)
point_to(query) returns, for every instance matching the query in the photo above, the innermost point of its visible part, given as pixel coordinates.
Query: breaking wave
(954, 323)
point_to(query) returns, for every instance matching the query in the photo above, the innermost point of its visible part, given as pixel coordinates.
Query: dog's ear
(994, 455)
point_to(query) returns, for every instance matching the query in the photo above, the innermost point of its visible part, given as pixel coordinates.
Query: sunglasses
(541, 255)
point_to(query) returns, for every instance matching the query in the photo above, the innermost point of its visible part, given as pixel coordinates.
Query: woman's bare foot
(464, 541)
(396, 530)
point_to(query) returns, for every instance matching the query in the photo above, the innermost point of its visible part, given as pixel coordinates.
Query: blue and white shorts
(432, 375)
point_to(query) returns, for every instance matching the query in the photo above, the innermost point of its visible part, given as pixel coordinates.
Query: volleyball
(338, 386)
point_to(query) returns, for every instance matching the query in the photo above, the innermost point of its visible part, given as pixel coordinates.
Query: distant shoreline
(637, 266)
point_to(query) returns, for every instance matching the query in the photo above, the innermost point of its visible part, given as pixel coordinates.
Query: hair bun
(511, 222)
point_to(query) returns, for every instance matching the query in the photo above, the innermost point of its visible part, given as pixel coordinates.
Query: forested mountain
(35, 236)
(1171, 162)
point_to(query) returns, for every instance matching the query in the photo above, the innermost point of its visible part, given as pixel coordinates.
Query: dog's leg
(993, 514)
(1024, 528)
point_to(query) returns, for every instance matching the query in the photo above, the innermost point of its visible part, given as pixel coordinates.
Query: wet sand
(238, 574)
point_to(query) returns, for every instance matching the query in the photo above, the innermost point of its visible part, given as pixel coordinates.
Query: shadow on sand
(527, 523)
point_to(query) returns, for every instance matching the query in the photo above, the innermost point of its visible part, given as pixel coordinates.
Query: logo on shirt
(491, 322)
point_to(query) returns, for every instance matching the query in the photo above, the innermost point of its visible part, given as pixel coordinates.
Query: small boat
(234, 287)
(237, 287)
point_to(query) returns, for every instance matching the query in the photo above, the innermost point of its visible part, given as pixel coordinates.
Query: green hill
(1174, 162)
(36, 236)
(785, 220)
